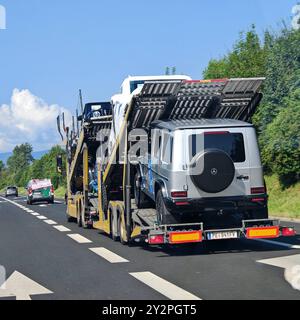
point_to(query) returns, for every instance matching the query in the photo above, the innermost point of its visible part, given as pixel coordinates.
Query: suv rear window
(231, 143)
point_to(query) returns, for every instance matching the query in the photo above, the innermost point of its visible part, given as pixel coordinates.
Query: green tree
(1, 166)
(247, 59)
(282, 152)
(19, 162)
(45, 168)
(282, 75)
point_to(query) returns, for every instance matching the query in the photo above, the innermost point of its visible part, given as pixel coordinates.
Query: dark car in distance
(11, 192)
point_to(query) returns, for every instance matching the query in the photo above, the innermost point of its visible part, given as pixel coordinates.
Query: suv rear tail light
(260, 190)
(179, 194)
(52, 189)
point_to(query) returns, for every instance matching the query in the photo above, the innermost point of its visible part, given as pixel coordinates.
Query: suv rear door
(232, 141)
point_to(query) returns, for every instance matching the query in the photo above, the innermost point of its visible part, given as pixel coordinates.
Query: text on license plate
(222, 235)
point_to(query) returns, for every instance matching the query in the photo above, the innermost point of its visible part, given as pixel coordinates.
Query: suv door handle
(243, 178)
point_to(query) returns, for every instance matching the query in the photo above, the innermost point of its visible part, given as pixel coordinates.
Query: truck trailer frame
(119, 217)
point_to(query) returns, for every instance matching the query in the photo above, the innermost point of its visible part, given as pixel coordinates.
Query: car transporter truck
(170, 160)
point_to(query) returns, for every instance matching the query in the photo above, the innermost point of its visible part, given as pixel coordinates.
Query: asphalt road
(72, 263)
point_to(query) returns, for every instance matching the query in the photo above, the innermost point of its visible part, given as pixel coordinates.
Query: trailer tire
(114, 224)
(164, 217)
(141, 200)
(123, 238)
(104, 198)
(70, 219)
(78, 214)
(82, 215)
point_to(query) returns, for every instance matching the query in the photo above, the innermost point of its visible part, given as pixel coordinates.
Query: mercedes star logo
(214, 171)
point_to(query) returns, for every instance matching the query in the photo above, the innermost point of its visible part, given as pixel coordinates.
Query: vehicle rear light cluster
(185, 237)
(263, 233)
(288, 232)
(259, 190)
(157, 239)
(52, 189)
(179, 194)
(182, 203)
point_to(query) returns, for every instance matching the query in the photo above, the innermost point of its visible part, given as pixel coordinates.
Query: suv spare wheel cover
(218, 171)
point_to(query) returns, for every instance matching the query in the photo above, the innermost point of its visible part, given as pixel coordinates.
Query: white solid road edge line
(62, 228)
(79, 238)
(108, 255)
(281, 244)
(164, 287)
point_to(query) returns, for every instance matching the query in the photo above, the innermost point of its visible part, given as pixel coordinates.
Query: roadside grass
(60, 192)
(283, 202)
(22, 191)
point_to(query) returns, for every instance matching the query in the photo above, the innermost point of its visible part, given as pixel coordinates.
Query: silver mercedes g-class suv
(205, 170)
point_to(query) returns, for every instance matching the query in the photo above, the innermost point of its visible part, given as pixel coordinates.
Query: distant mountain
(36, 155)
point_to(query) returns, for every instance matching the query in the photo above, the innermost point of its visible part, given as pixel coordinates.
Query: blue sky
(53, 48)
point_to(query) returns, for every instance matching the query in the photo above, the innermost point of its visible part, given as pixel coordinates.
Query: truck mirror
(79, 118)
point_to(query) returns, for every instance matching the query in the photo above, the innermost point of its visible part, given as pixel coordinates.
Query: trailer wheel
(70, 219)
(82, 215)
(78, 210)
(164, 217)
(141, 200)
(114, 224)
(123, 237)
(104, 198)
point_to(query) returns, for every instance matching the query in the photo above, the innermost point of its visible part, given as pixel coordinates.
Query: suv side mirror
(59, 164)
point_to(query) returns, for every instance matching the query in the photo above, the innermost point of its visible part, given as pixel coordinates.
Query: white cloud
(296, 18)
(28, 118)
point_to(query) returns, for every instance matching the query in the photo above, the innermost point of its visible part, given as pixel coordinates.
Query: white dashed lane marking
(43, 205)
(35, 214)
(50, 222)
(62, 229)
(42, 217)
(79, 238)
(164, 287)
(108, 255)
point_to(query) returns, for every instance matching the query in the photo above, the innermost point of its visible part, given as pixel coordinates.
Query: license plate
(222, 235)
